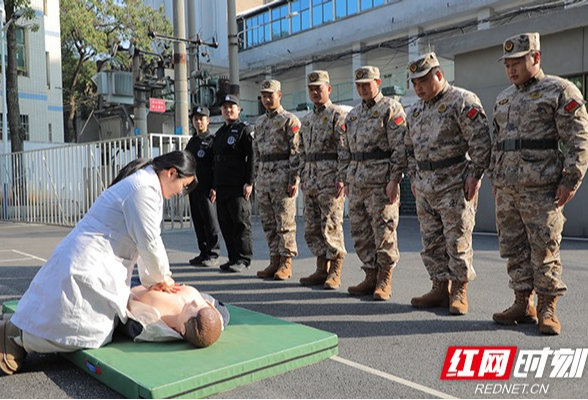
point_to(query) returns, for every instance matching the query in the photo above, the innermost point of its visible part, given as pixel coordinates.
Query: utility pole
(194, 49)
(140, 106)
(180, 70)
(233, 47)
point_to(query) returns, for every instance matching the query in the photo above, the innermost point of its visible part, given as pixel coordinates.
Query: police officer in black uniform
(202, 209)
(233, 183)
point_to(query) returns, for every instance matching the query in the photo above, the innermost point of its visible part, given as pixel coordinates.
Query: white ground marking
(393, 378)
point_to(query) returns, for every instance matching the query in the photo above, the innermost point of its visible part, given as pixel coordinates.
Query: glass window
(285, 27)
(249, 39)
(366, 4)
(21, 62)
(275, 14)
(317, 15)
(328, 11)
(267, 33)
(276, 29)
(340, 8)
(351, 7)
(379, 2)
(24, 122)
(295, 5)
(296, 24)
(266, 17)
(48, 69)
(305, 19)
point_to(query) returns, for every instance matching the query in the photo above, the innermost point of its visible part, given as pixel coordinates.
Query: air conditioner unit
(115, 86)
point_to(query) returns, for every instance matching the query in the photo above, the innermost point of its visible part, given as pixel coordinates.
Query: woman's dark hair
(205, 328)
(182, 161)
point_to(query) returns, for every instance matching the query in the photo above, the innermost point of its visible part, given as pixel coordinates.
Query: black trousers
(234, 217)
(205, 223)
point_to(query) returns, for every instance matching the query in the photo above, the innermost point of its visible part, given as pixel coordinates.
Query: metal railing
(59, 185)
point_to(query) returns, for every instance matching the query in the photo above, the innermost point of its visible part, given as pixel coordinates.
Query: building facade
(39, 77)
(286, 39)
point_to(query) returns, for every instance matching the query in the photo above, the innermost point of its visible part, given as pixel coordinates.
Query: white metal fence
(58, 185)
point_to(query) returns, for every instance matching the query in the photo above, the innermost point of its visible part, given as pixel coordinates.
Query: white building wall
(211, 21)
(42, 104)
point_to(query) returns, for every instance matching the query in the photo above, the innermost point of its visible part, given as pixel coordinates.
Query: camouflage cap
(230, 98)
(520, 45)
(271, 86)
(318, 77)
(199, 110)
(422, 65)
(366, 74)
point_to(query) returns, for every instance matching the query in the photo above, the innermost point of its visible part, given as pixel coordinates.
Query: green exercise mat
(252, 347)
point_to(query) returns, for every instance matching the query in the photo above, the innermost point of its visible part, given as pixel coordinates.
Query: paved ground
(386, 349)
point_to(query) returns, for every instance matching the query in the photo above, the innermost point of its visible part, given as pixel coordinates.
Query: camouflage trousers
(323, 224)
(373, 226)
(529, 228)
(278, 218)
(446, 222)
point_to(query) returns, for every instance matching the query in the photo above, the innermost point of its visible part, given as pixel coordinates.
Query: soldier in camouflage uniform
(533, 180)
(277, 159)
(321, 179)
(375, 148)
(448, 148)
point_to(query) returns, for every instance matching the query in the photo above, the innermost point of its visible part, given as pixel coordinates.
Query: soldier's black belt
(433, 165)
(373, 155)
(229, 157)
(531, 144)
(274, 157)
(320, 156)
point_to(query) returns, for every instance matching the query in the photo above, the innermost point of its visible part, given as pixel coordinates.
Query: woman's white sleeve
(143, 212)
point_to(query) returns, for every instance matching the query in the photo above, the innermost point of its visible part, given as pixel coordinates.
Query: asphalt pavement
(386, 349)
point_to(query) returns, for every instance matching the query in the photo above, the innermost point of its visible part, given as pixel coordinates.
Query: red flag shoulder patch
(295, 128)
(343, 128)
(572, 105)
(399, 120)
(473, 113)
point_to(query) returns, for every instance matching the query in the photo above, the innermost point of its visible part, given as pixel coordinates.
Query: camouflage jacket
(450, 125)
(276, 135)
(375, 126)
(321, 135)
(544, 108)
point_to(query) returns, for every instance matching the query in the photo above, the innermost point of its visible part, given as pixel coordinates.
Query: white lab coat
(76, 296)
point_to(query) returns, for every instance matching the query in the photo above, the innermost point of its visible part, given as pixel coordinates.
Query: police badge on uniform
(201, 153)
(231, 140)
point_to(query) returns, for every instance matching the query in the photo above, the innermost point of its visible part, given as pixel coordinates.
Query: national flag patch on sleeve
(343, 128)
(295, 128)
(573, 105)
(473, 113)
(399, 120)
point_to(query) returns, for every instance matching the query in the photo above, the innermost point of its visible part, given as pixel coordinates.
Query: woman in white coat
(75, 299)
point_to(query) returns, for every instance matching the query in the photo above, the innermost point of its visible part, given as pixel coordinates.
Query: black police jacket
(201, 149)
(233, 156)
